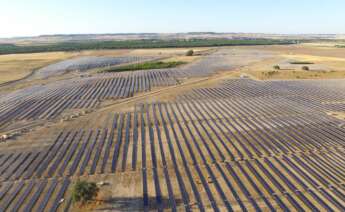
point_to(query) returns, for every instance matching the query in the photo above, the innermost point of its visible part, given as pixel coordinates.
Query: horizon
(52, 17)
(138, 33)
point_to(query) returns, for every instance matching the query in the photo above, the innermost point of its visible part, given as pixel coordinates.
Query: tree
(84, 191)
(305, 68)
(276, 67)
(190, 53)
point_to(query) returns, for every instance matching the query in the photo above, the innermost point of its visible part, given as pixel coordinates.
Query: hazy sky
(35, 17)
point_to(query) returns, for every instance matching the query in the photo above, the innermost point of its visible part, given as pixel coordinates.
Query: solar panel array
(51, 100)
(244, 145)
(85, 64)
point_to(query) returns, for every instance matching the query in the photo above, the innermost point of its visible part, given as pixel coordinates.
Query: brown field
(17, 66)
(328, 63)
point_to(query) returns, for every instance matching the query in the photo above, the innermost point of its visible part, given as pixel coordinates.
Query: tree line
(133, 44)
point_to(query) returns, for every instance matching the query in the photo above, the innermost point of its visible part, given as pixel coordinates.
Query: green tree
(84, 191)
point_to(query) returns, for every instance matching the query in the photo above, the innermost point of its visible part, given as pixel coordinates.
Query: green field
(147, 65)
(133, 44)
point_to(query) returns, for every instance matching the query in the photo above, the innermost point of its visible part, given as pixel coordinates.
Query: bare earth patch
(338, 115)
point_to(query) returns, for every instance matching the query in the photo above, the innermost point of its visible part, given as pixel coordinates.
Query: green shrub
(84, 191)
(147, 66)
(190, 53)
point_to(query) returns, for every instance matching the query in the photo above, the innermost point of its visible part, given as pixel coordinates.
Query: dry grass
(338, 115)
(17, 66)
(186, 59)
(328, 63)
(288, 74)
(301, 49)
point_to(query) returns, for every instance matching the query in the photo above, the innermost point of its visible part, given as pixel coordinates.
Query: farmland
(215, 134)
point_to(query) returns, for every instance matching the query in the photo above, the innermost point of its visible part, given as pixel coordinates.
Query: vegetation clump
(270, 73)
(305, 68)
(147, 65)
(301, 63)
(134, 44)
(190, 53)
(84, 191)
(276, 67)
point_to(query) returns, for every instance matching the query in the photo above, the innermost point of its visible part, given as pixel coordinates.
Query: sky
(37, 17)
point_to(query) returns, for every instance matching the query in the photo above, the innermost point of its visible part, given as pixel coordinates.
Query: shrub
(147, 66)
(84, 191)
(305, 68)
(301, 63)
(271, 73)
(190, 53)
(276, 67)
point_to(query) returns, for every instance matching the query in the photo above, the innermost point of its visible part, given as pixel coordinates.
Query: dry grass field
(17, 66)
(325, 63)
